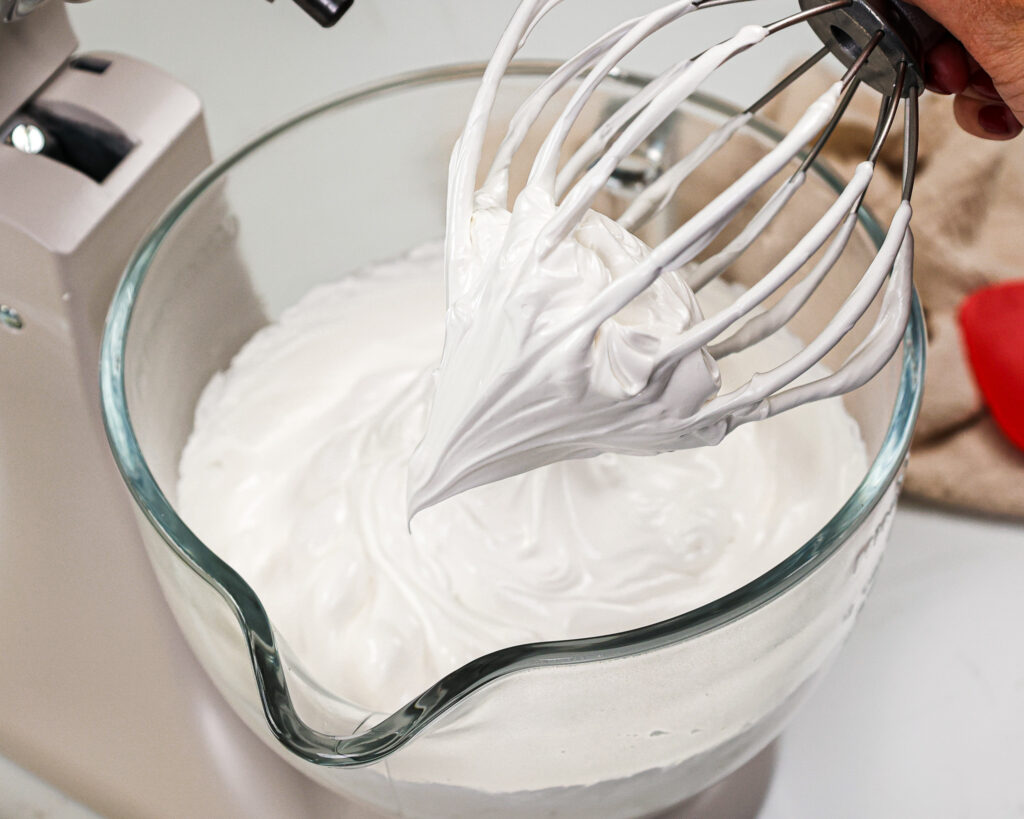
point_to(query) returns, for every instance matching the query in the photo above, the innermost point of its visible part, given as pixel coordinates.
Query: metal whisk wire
(575, 185)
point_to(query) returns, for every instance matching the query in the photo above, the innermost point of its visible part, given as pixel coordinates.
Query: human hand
(983, 66)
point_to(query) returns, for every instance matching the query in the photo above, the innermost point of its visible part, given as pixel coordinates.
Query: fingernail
(982, 83)
(934, 80)
(998, 120)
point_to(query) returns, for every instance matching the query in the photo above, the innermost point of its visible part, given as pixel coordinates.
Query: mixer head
(877, 51)
(325, 12)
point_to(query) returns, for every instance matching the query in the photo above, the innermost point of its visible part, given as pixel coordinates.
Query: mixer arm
(35, 44)
(325, 12)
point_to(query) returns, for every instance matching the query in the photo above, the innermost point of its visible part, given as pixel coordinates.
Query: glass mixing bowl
(614, 725)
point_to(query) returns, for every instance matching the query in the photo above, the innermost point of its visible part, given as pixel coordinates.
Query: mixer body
(99, 696)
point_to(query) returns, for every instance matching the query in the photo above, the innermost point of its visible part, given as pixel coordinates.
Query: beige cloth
(969, 227)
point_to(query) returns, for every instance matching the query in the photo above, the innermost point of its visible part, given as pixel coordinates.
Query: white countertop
(923, 713)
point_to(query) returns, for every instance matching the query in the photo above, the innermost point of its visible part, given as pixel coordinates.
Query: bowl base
(739, 796)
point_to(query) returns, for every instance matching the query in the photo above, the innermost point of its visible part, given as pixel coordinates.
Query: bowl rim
(396, 729)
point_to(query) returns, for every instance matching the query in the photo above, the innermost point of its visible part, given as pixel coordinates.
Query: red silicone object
(992, 321)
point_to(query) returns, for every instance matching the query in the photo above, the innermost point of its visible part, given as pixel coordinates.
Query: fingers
(946, 68)
(981, 87)
(979, 107)
(986, 119)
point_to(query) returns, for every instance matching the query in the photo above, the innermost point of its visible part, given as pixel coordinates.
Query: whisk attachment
(907, 34)
(561, 383)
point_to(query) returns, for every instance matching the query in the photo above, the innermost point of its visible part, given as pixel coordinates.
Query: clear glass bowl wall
(680, 704)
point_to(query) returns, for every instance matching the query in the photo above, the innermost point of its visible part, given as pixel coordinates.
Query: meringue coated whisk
(881, 44)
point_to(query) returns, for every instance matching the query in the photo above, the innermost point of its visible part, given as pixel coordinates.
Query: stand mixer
(67, 229)
(100, 695)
